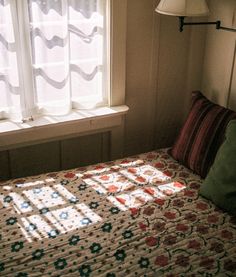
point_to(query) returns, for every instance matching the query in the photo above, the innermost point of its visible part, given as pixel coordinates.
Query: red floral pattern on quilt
(140, 216)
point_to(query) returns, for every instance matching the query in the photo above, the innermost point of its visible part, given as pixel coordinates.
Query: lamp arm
(181, 23)
(216, 23)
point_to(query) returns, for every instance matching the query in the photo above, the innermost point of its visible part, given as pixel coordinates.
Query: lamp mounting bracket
(217, 23)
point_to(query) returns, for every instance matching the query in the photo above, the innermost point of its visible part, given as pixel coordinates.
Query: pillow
(202, 134)
(220, 184)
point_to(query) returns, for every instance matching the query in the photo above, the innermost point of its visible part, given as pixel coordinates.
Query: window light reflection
(121, 185)
(22, 184)
(21, 204)
(43, 218)
(49, 209)
(125, 179)
(43, 197)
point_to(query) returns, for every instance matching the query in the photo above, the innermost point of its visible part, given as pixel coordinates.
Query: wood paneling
(232, 93)
(219, 54)
(83, 151)
(141, 61)
(54, 156)
(172, 73)
(4, 166)
(36, 159)
(163, 66)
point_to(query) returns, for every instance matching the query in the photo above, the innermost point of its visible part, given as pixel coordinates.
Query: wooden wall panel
(142, 48)
(4, 166)
(35, 159)
(179, 73)
(163, 66)
(54, 156)
(219, 54)
(90, 149)
(83, 151)
(232, 93)
(106, 146)
(172, 76)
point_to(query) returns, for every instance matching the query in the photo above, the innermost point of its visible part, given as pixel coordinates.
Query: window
(26, 79)
(54, 56)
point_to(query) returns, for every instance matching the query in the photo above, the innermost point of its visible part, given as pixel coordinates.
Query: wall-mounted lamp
(183, 8)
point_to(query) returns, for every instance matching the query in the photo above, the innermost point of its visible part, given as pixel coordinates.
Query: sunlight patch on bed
(47, 212)
(58, 221)
(35, 183)
(133, 186)
(21, 204)
(144, 174)
(125, 179)
(44, 197)
(47, 208)
(141, 196)
(105, 168)
(65, 193)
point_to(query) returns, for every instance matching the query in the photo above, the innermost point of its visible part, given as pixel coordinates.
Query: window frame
(118, 23)
(96, 119)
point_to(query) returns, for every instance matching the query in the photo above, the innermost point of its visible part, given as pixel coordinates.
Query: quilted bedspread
(140, 216)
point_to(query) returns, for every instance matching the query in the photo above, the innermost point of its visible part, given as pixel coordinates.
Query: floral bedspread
(140, 216)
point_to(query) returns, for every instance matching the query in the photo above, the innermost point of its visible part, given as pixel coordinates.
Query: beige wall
(141, 73)
(163, 67)
(219, 70)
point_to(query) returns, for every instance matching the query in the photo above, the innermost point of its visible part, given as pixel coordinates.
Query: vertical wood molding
(117, 142)
(118, 21)
(141, 75)
(228, 104)
(172, 71)
(9, 164)
(106, 143)
(153, 78)
(195, 54)
(218, 70)
(155, 129)
(60, 154)
(5, 170)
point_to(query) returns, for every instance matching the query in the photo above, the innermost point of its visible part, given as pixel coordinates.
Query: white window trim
(13, 134)
(118, 22)
(51, 128)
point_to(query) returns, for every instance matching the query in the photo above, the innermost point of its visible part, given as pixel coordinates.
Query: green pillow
(220, 184)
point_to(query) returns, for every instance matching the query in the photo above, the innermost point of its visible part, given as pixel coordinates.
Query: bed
(139, 216)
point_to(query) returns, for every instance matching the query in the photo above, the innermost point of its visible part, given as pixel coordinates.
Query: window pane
(9, 79)
(88, 51)
(68, 45)
(50, 54)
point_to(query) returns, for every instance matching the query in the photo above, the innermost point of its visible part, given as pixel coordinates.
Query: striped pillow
(202, 134)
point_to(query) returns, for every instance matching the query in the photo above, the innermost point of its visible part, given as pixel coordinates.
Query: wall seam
(231, 77)
(9, 163)
(157, 82)
(154, 56)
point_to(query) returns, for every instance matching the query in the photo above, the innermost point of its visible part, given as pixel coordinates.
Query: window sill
(49, 128)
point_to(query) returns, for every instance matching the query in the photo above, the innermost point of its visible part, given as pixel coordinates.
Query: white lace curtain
(53, 56)
(10, 103)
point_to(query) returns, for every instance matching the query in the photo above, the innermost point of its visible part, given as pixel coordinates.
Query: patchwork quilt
(140, 216)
